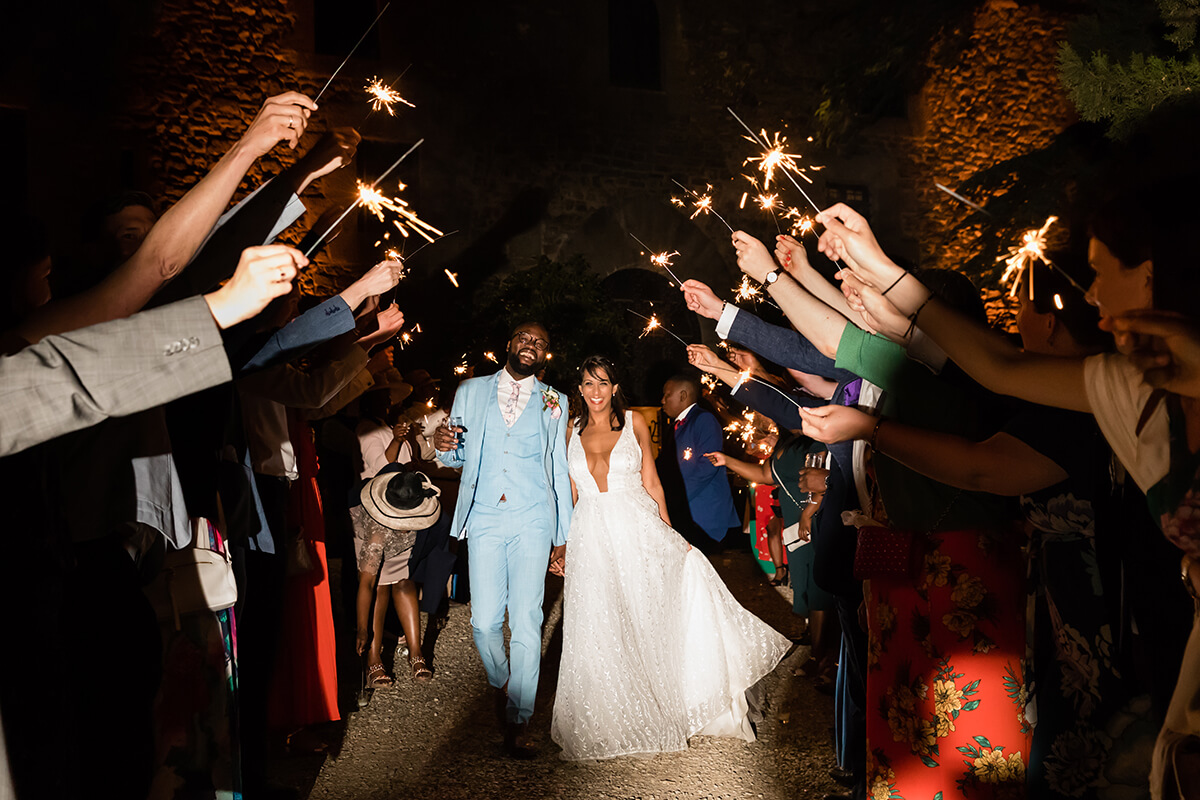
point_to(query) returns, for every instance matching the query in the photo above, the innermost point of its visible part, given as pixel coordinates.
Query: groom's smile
(527, 349)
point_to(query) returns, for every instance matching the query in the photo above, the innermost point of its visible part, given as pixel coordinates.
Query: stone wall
(530, 114)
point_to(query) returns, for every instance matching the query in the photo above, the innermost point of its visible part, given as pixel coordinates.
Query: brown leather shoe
(517, 743)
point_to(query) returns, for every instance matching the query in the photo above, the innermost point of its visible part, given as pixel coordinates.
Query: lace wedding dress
(655, 648)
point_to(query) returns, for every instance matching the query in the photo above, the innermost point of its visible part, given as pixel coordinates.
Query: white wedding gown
(655, 648)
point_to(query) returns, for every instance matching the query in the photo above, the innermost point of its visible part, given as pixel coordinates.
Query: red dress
(304, 687)
(765, 508)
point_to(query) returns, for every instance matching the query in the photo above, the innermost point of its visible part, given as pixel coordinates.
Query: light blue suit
(510, 541)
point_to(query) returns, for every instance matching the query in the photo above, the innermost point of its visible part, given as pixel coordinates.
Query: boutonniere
(550, 401)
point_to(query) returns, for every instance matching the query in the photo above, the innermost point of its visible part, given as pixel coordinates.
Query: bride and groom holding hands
(655, 648)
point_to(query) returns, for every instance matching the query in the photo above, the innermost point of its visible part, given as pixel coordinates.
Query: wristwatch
(771, 277)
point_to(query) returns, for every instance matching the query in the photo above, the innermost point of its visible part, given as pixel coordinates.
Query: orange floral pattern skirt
(945, 690)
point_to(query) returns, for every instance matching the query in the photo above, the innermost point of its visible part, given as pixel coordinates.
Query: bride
(655, 648)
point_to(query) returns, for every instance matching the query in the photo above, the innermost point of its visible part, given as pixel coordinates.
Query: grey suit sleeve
(74, 380)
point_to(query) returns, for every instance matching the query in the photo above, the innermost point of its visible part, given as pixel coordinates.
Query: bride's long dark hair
(599, 367)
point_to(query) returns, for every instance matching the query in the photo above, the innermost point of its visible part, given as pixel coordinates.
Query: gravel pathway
(440, 741)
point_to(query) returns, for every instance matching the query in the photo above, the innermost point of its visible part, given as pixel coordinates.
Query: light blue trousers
(509, 552)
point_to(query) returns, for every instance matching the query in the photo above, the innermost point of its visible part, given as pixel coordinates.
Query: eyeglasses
(524, 339)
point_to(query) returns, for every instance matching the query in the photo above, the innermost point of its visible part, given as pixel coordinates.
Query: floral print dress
(943, 666)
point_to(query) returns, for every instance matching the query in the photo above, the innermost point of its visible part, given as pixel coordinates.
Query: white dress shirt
(504, 392)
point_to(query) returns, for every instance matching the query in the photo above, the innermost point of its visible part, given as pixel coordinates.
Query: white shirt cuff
(923, 349)
(725, 322)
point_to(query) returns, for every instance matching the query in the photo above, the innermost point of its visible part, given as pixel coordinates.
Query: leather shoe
(843, 776)
(516, 741)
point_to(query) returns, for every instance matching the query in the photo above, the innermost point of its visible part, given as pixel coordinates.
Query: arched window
(634, 60)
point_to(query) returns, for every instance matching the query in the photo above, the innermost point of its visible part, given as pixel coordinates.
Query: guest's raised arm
(173, 241)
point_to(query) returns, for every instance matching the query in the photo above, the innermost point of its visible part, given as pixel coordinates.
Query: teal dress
(786, 463)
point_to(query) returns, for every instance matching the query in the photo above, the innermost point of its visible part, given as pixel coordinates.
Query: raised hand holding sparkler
(282, 118)
(703, 358)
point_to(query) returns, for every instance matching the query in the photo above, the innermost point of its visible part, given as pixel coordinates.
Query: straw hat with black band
(401, 501)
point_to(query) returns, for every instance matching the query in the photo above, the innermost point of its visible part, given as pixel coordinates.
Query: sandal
(780, 578)
(377, 676)
(420, 672)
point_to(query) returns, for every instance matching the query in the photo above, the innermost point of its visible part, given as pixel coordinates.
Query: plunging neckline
(608, 468)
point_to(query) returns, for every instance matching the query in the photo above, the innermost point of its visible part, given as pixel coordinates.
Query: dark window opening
(856, 196)
(338, 24)
(633, 44)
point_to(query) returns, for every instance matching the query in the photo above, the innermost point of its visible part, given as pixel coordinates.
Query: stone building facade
(556, 128)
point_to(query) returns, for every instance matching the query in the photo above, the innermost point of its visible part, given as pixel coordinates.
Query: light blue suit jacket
(471, 403)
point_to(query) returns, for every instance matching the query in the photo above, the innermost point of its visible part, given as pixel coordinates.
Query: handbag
(193, 579)
(891, 552)
(885, 552)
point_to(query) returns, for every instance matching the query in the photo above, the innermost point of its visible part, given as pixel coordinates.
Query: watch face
(772, 276)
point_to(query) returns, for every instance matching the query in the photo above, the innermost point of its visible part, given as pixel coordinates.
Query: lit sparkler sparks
(490, 356)
(801, 223)
(774, 158)
(662, 259)
(1020, 258)
(747, 290)
(377, 203)
(652, 324)
(687, 454)
(384, 97)
(709, 382)
(703, 203)
(359, 201)
(453, 276)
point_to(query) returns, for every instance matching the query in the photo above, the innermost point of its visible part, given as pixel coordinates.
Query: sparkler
(384, 97)
(1020, 259)
(774, 158)
(703, 204)
(687, 454)
(352, 49)
(653, 324)
(359, 201)
(961, 199)
(377, 202)
(453, 276)
(660, 259)
(490, 356)
(747, 290)
(801, 223)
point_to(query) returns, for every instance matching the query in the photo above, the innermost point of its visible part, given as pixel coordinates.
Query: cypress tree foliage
(1127, 59)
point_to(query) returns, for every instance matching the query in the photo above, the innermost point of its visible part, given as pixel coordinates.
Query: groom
(514, 505)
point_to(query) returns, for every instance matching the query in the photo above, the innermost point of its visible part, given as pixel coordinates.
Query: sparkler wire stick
(786, 172)
(352, 49)
(664, 263)
(708, 207)
(358, 202)
(961, 199)
(654, 323)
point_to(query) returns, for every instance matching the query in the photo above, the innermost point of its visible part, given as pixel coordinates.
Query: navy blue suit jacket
(709, 498)
(833, 543)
